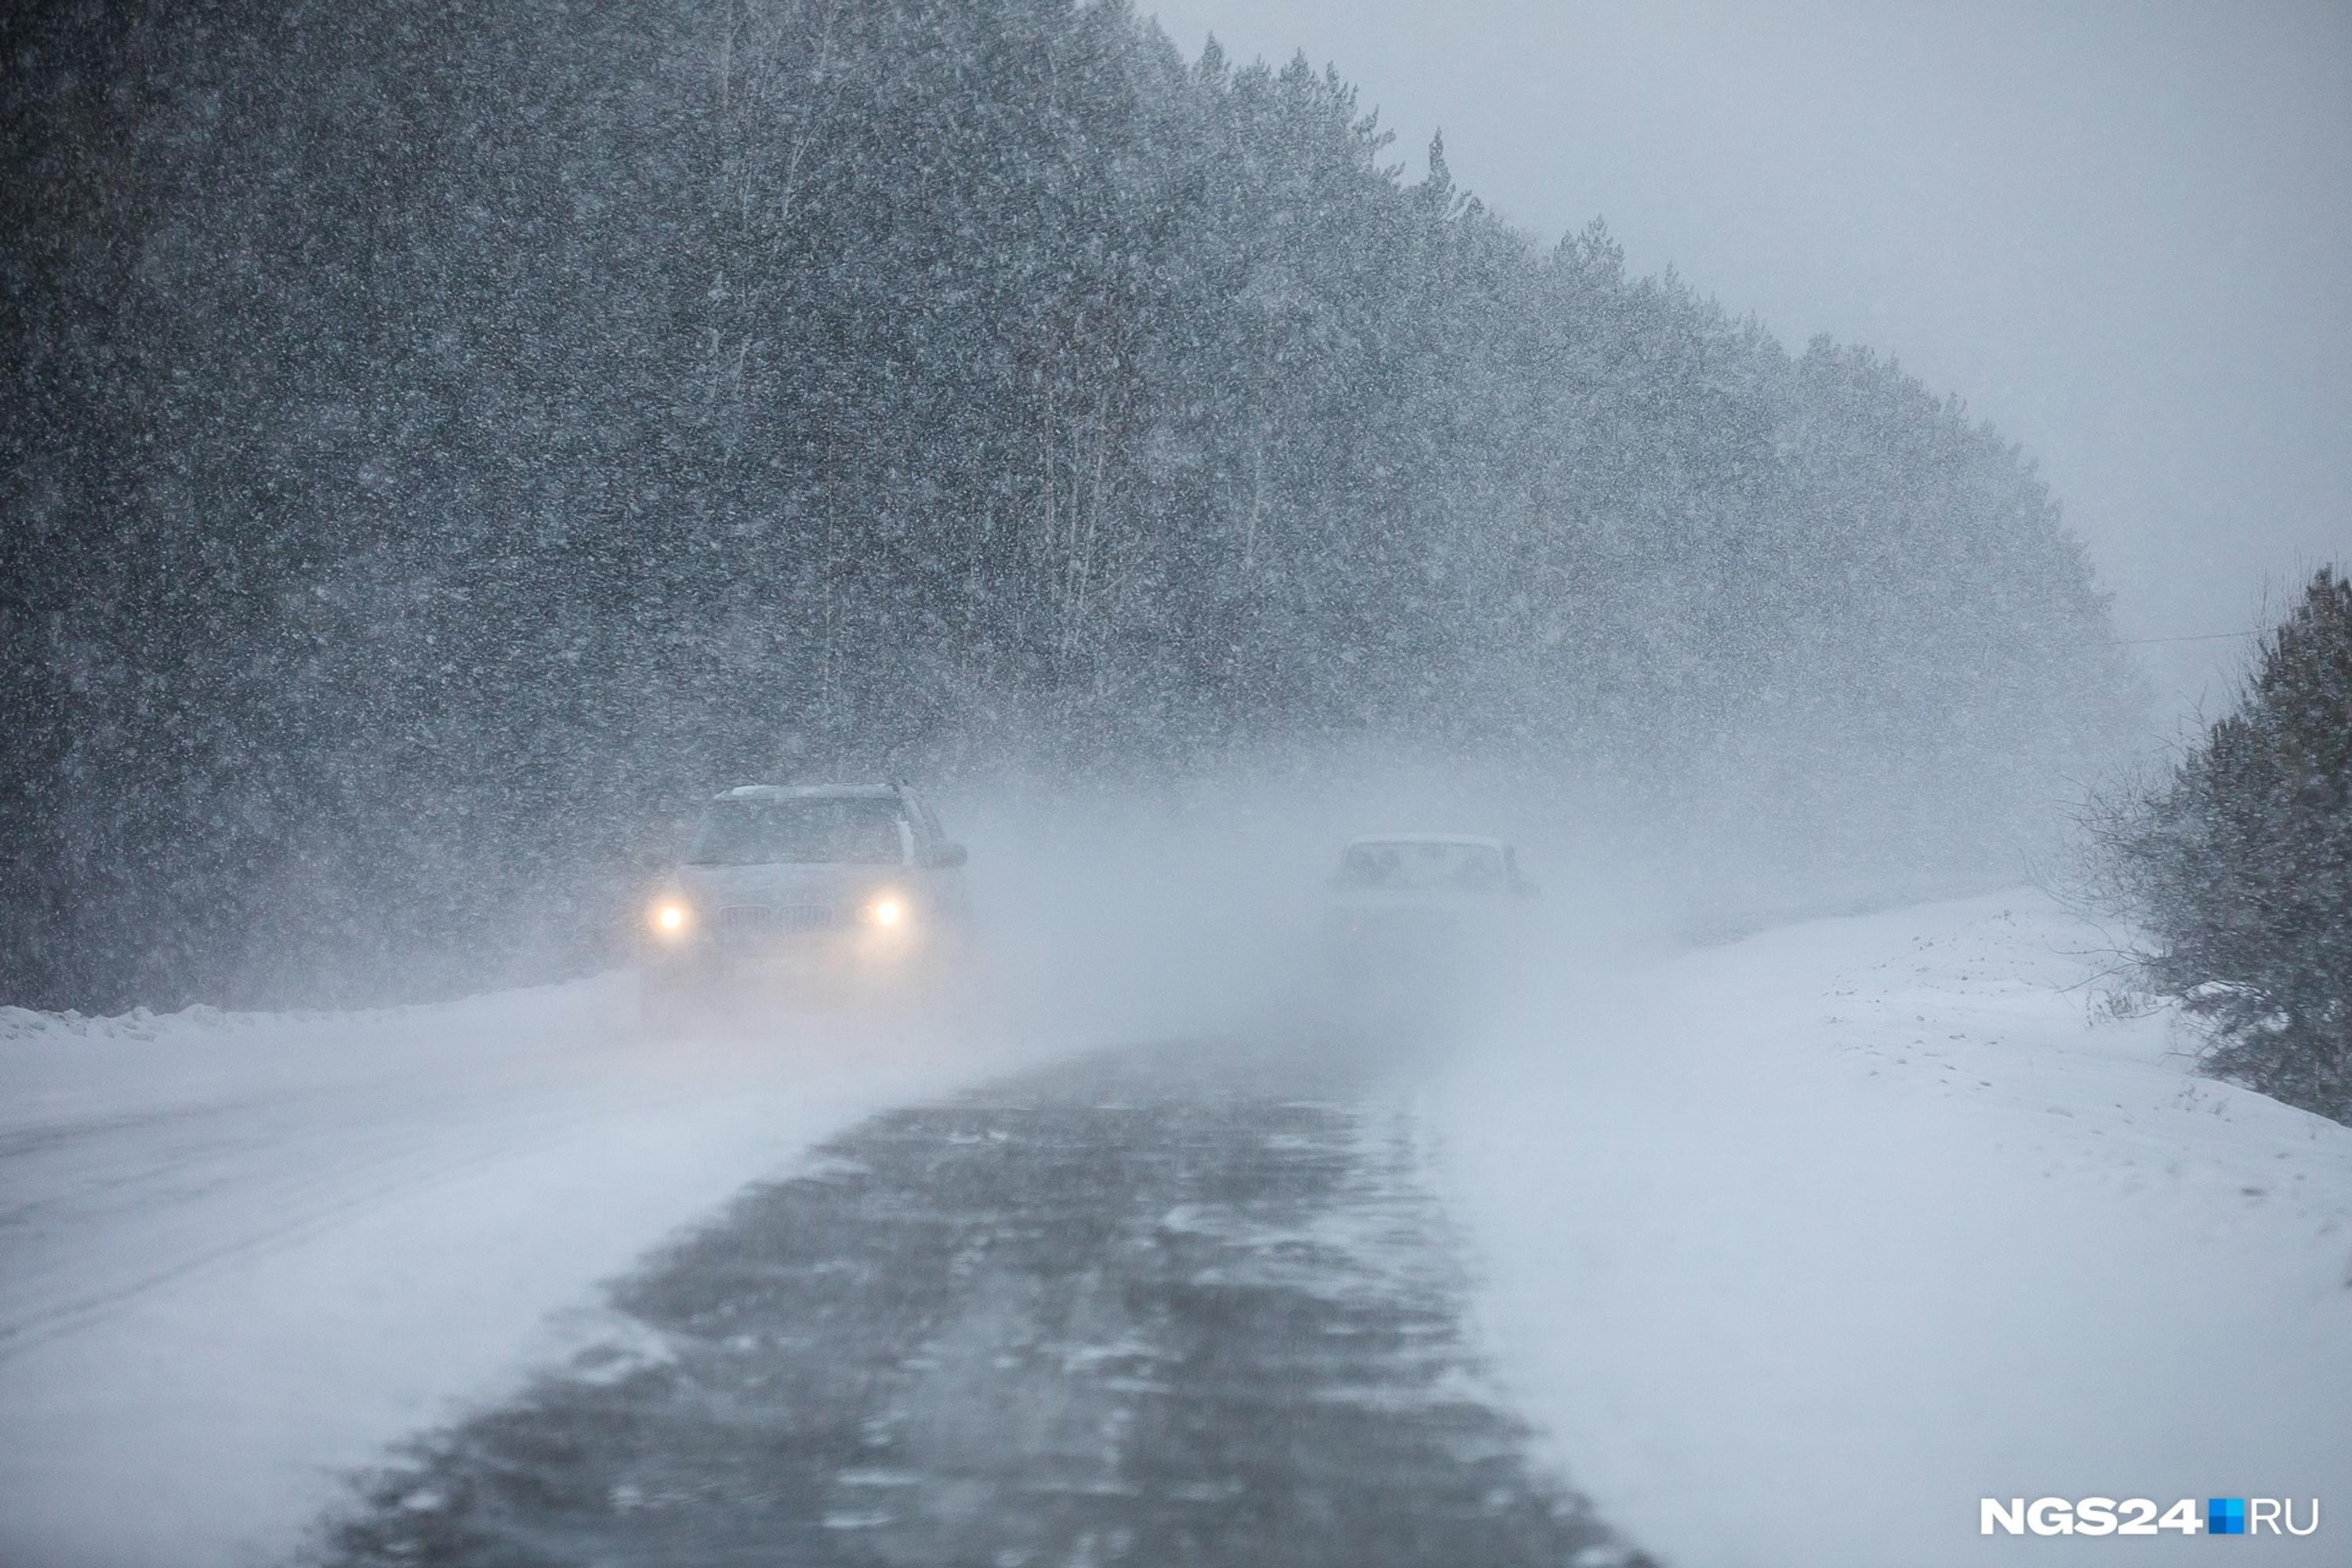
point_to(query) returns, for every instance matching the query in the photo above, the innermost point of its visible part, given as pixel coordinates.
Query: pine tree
(2240, 867)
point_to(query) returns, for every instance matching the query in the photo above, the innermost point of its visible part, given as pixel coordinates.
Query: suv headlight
(886, 909)
(671, 917)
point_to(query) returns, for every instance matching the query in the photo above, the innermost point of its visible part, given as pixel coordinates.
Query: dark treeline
(441, 438)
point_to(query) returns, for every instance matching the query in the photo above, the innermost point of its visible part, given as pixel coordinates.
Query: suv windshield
(1418, 867)
(852, 830)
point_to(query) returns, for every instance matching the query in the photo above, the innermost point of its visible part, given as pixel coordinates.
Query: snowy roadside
(239, 1255)
(1800, 1246)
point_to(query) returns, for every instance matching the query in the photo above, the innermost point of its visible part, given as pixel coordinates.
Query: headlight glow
(887, 911)
(669, 917)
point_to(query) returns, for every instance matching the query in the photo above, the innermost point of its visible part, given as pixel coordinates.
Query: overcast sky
(2121, 229)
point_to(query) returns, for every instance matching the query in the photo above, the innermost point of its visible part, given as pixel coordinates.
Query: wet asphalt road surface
(1153, 1308)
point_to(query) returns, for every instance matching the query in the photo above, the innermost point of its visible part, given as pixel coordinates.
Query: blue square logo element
(2225, 1516)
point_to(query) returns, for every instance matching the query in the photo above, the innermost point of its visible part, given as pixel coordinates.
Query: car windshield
(1417, 866)
(841, 830)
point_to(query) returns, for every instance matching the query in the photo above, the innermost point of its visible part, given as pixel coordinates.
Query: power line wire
(2196, 636)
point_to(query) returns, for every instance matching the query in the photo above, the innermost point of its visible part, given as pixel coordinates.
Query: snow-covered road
(1795, 1247)
(1186, 1304)
(243, 1254)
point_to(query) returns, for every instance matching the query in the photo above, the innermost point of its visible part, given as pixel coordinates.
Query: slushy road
(1176, 1306)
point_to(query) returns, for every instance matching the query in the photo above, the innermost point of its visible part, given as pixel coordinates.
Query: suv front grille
(741, 921)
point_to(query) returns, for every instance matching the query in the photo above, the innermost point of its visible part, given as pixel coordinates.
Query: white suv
(822, 887)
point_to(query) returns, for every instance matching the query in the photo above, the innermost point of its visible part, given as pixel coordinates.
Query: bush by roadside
(2235, 864)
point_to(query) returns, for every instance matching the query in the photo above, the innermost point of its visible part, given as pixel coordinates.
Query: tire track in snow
(280, 1193)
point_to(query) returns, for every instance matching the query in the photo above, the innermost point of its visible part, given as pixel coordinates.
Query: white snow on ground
(239, 1255)
(1796, 1246)
(1799, 1246)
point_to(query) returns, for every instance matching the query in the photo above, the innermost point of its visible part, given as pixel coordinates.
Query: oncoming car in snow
(815, 889)
(1418, 906)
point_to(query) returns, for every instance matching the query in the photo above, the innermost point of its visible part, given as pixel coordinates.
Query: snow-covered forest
(440, 441)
